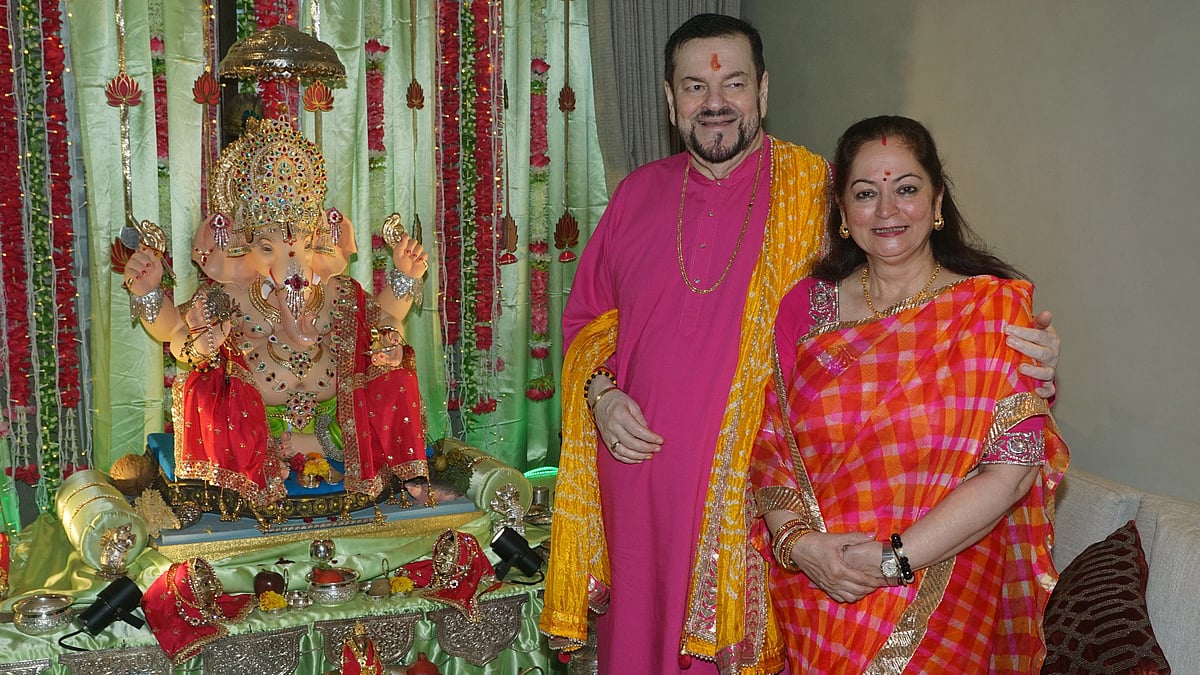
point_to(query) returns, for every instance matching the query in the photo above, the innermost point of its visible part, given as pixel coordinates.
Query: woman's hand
(823, 558)
(622, 427)
(1040, 343)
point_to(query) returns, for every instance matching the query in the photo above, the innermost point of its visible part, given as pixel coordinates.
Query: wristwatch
(890, 566)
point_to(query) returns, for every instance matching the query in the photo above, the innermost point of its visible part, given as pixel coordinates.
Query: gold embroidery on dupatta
(790, 244)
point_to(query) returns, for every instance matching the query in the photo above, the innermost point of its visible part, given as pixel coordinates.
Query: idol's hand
(821, 556)
(143, 271)
(410, 257)
(390, 351)
(206, 338)
(1040, 343)
(623, 428)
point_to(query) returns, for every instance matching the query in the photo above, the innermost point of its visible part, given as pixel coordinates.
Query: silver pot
(298, 599)
(334, 593)
(41, 614)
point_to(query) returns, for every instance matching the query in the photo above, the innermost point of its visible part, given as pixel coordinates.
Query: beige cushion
(1087, 509)
(1171, 592)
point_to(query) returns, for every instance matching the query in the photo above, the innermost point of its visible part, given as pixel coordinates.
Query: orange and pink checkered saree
(887, 417)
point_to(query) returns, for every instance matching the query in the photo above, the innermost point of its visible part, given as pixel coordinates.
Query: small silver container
(335, 593)
(41, 614)
(298, 599)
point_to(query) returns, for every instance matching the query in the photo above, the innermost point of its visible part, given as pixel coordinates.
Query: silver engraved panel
(479, 642)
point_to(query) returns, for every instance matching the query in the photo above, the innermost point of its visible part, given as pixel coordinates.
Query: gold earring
(939, 222)
(844, 231)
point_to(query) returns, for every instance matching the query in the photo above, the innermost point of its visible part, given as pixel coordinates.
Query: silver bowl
(334, 593)
(298, 599)
(41, 614)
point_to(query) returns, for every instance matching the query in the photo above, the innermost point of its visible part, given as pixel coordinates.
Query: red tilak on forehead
(715, 63)
(886, 173)
(883, 140)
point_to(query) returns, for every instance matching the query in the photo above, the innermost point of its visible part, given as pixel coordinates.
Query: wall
(1072, 135)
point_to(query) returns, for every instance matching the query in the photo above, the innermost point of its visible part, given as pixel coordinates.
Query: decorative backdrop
(472, 119)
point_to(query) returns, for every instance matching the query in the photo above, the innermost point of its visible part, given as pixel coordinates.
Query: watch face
(890, 566)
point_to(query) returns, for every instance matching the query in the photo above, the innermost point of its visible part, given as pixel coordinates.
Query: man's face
(716, 101)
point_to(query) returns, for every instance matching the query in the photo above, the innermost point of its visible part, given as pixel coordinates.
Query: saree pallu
(886, 417)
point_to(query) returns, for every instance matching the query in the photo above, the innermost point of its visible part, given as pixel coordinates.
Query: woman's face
(890, 203)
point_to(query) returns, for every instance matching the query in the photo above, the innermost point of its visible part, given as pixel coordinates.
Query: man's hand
(623, 429)
(1040, 343)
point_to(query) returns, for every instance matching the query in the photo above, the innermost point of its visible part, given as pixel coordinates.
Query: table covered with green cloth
(304, 641)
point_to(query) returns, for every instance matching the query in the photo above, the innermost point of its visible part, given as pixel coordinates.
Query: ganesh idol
(288, 355)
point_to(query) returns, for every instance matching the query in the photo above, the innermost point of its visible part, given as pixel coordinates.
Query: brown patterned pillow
(1096, 620)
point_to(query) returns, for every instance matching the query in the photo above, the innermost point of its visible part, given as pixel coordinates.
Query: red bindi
(715, 63)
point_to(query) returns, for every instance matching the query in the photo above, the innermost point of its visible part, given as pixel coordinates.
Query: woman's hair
(955, 246)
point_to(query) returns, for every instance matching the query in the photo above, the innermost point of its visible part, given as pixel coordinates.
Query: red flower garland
(449, 226)
(376, 150)
(16, 289)
(159, 67)
(280, 97)
(486, 83)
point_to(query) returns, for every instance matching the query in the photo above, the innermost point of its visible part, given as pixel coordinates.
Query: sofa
(1090, 508)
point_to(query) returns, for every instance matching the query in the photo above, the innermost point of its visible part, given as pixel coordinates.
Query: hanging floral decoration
(486, 95)
(449, 173)
(541, 385)
(376, 150)
(279, 96)
(566, 231)
(468, 149)
(41, 324)
(158, 65)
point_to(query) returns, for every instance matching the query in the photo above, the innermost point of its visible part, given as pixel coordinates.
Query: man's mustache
(723, 112)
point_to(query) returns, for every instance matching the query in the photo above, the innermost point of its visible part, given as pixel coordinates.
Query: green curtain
(128, 365)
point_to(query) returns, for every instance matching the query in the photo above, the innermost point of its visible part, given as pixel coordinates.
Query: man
(675, 392)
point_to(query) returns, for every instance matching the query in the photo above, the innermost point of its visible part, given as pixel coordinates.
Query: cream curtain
(628, 37)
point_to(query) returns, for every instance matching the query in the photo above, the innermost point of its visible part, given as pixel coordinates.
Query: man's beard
(716, 153)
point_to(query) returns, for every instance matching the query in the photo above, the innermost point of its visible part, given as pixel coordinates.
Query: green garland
(44, 312)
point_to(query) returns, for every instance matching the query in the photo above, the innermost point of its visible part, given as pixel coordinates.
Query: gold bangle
(785, 541)
(595, 401)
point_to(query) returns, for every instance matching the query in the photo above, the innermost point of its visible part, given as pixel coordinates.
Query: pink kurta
(676, 355)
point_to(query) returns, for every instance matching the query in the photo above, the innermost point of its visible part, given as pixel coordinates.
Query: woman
(905, 468)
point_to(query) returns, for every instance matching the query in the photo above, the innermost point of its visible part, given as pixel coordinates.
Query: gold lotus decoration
(284, 52)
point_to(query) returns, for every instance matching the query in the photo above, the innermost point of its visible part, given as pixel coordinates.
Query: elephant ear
(211, 247)
(338, 246)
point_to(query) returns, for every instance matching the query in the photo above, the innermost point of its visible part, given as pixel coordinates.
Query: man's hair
(711, 26)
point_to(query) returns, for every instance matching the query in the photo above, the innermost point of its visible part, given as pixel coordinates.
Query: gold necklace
(299, 362)
(937, 267)
(679, 228)
(272, 315)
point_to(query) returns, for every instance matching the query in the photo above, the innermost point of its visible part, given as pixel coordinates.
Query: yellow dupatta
(719, 600)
